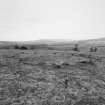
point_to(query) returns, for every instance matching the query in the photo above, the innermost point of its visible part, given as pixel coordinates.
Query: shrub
(93, 49)
(16, 47)
(76, 47)
(23, 48)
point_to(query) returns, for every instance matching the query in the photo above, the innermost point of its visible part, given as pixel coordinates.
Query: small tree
(93, 49)
(76, 47)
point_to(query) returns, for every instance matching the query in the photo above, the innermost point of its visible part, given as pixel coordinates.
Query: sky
(26, 20)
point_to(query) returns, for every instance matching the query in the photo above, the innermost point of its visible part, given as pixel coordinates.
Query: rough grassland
(52, 77)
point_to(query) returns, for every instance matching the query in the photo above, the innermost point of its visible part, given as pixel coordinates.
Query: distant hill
(93, 42)
(100, 41)
(58, 41)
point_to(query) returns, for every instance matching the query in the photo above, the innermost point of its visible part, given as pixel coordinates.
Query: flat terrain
(63, 74)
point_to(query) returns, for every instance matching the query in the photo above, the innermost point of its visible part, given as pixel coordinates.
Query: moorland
(52, 74)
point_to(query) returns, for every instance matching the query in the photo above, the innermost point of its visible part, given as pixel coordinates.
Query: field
(60, 74)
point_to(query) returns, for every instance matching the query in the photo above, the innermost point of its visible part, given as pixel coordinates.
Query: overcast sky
(22, 20)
